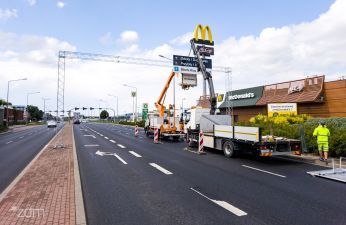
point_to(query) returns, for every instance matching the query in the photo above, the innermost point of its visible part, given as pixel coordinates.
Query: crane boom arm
(159, 103)
(206, 76)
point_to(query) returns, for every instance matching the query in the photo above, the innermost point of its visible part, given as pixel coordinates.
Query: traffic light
(91, 108)
(84, 108)
(76, 108)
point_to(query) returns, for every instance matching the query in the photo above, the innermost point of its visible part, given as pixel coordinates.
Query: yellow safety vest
(322, 134)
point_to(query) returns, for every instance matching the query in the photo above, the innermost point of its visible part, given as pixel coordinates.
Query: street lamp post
(134, 108)
(182, 106)
(8, 91)
(44, 108)
(27, 103)
(117, 105)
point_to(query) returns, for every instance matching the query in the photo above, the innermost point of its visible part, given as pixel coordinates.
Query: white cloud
(277, 54)
(31, 2)
(183, 39)
(6, 14)
(60, 4)
(106, 38)
(129, 36)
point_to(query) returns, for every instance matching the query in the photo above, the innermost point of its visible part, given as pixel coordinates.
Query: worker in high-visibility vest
(322, 133)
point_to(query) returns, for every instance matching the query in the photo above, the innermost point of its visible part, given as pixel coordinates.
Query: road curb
(15, 181)
(315, 162)
(79, 201)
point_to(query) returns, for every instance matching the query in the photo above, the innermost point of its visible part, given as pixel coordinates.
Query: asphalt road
(121, 185)
(17, 149)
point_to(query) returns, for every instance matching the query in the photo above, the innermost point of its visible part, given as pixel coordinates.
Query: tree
(104, 114)
(35, 113)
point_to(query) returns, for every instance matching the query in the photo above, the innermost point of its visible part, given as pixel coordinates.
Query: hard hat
(322, 122)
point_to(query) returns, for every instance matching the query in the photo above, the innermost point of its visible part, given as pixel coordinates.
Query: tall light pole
(27, 103)
(182, 106)
(44, 108)
(8, 91)
(114, 96)
(135, 107)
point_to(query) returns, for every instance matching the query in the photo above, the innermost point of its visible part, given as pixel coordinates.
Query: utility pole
(44, 108)
(8, 93)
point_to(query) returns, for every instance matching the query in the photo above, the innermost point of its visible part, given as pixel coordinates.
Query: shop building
(312, 96)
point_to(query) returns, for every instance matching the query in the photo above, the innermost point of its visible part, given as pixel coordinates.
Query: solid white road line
(163, 170)
(91, 145)
(135, 154)
(112, 141)
(106, 138)
(264, 171)
(120, 159)
(89, 135)
(9, 142)
(121, 146)
(236, 211)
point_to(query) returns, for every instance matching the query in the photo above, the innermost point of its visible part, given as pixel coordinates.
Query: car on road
(76, 121)
(51, 123)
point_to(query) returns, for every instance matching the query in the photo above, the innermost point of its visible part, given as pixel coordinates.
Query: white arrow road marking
(223, 204)
(91, 145)
(110, 153)
(163, 170)
(121, 160)
(135, 154)
(121, 146)
(89, 135)
(264, 171)
(9, 142)
(106, 138)
(112, 141)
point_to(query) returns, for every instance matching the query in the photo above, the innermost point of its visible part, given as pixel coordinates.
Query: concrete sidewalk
(314, 159)
(44, 193)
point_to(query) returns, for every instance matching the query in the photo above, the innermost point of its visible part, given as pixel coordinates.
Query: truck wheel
(229, 149)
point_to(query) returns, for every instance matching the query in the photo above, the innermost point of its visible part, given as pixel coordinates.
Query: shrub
(130, 123)
(301, 127)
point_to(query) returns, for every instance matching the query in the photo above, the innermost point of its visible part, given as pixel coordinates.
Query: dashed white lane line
(163, 170)
(91, 145)
(264, 171)
(120, 159)
(21, 137)
(101, 135)
(236, 211)
(112, 141)
(9, 142)
(135, 154)
(106, 138)
(121, 146)
(89, 135)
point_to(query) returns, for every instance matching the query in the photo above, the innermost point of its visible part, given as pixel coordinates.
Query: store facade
(312, 96)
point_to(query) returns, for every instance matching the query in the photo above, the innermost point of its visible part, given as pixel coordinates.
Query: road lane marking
(264, 171)
(120, 159)
(121, 146)
(163, 170)
(101, 135)
(112, 141)
(9, 142)
(21, 137)
(236, 211)
(89, 135)
(91, 145)
(106, 138)
(135, 154)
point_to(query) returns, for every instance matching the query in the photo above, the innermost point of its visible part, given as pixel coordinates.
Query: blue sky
(82, 22)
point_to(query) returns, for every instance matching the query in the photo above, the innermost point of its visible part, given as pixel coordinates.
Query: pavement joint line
(79, 201)
(16, 180)
(121, 146)
(236, 211)
(112, 141)
(135, 154)
(163, 170)
(264, 171)
(120, 159)
(93, 145)
(9, 142)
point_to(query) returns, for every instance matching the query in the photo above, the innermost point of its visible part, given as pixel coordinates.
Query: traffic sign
(133, 94)
(204, 50)
(186, 61)
(184, 69)
(145, 105)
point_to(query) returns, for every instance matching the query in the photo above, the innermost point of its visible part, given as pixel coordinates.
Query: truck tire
(229, 149)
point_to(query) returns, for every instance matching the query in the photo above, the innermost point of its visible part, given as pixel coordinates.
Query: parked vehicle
(76, 121)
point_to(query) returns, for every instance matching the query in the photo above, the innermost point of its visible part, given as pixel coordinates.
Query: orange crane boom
(160, 101)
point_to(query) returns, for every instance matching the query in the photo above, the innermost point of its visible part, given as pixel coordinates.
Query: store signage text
(241, 96)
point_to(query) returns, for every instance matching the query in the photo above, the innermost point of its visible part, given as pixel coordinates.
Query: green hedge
(303, 129)
(138, 123)
(3, 128)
